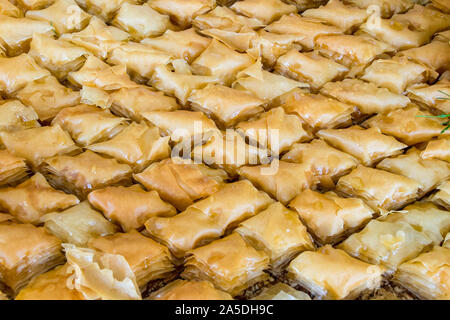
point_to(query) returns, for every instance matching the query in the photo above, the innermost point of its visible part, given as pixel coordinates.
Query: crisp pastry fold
(181, 125)
(426, 218)
(319, 111)
(329, 217)
(148, 259)
(302, 5)
(325, 162)
(230, 263)
(137, 145)
(8, 9)
(332, 274)
(366, 96)
(434, 97)
(410, 125)
(183, 12)
(190, 290)
(308, 29)
(337, 13)
(179, 85)
(105, 9)
(428, 172)
(282, 180)
(435, 55)
(223, 18)
(12, 169)
(281, 291)
(30, 200)
(397, 74)
(130, 207)
(427, 275)
(58, 56)
(48, 97)
(240, 41)
(221, 61)
(382, 190)
(227, 105)
(133, 102)
(264, 11)
(64, 15)
(141, 21)
(310, 67)
(207, 219)
(424, 18)
(275, 130)
(386, 7)
(16, 116)
(38, 144)
(78, 224)
(89, 124)
(25, 252)
(278, 232)
(16, 33)
(441, 5)
(386, 243)
(85, 172)
(17, 72)
(97, 37)
(181, 181)
(186, 44)
(442, 196)
(367, 145)
(32, 4)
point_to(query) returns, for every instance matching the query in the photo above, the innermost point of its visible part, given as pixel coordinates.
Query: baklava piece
(33, 4)
(437, 149)
(130, 207)
(329, 217)
(89, 124)
(434, 97)
(17, 72)
(104, 9)
(48, 97)
(410, 125)
(386, 7)
(30, 200)
(332, 274)
(26, 251)
(278, 232)
(64, 15)
(326, 163)
(382, 190)
(223, 18)
(58, 56)
(366, 96)
(79, 224)
(275, 130)
(97, 37)
(337, 13)
(8, 9)
(427, 275)
(281, 291)
(85, 172)
(148, 259)
(319, 111)
(12, 169)
(190, 290)
(424, 18)
(368, 145)
(310, 67)
(442, 196)
(183, 12)
(282, 180)
(207, 218)
(266, 11)
(428, 172)
(387, 243)
(38, 144)
(441, 5)
(16, 116)
(181, 182)
(230, 263)
(240, 41)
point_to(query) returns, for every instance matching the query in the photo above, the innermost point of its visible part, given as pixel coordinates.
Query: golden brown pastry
(230, 263)
(442, 197)
(8, 9)
(446, 243)
(190, 290)
(78, 224)
(33, 4)
(130, 207)
(368, 145)
(435, 55)
(223, 18)
(264, 11)
(26, 251)
(332, 274)
(12, 169)
(329, 217)
(16, 116)
(437, 149)
(382, 190)
(386, 7)
(34, 198)
(441, 5)
(85, 172)
(180, 181)
(278, 232)
(182, 12)
(148, 259)
(281, 291)
(427, 275)
(424, 18)
(434, 97)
